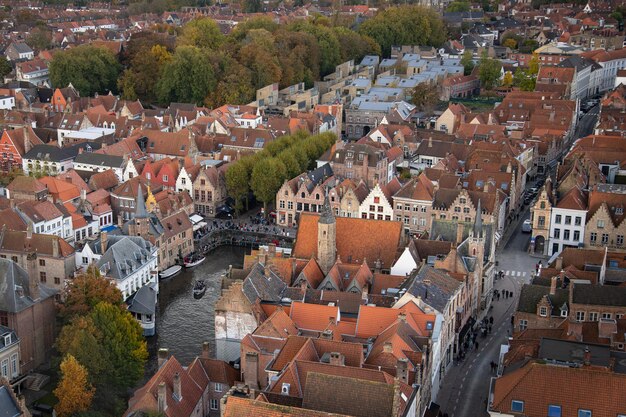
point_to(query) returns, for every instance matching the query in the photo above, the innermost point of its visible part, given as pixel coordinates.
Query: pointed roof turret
(327, 216)
(478, 222)
(140, 211)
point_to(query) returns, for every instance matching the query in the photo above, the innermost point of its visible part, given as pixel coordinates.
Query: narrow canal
(183, 322)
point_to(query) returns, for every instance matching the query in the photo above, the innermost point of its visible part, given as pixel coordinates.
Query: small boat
(199, 289)
(170, 272)
(193, 260)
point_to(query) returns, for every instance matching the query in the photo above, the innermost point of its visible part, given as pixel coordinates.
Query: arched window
(317, 196)
(302, 195)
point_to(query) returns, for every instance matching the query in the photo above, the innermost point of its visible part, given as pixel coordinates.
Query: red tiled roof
(540, 385)
(313, 316)
(356, 239)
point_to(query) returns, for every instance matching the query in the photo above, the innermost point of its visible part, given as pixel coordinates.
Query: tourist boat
(170, 272)
(193, 260)
(199, 289)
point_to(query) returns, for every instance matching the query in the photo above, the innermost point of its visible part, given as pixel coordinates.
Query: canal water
(183, 322)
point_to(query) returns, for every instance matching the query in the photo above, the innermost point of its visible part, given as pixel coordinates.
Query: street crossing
(515, 273)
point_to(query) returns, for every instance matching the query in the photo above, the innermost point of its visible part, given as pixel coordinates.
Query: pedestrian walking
(491, 320)
(476, 345)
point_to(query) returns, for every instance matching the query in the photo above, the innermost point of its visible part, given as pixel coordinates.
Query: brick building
(27, 307)
(359, 162)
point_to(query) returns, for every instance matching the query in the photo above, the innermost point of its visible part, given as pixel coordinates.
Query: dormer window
(7, 339)
(543, 311)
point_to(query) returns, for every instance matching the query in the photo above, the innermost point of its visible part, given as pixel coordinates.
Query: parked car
(526, 226)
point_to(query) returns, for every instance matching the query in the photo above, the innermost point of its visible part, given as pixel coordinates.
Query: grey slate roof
(568, 351)
(605, 295)
(48, 153)
(5, 331)
(143, 301)
(257, 286)
(22, 48)
(434, 286)
(14, 289)
(530, 296)
(8, 407)
(99, 159)
(124, 255)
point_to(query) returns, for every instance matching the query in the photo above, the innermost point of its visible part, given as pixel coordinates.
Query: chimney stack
(27, 144)
(553, 283)
(162, 398)
(402, 370)
(250, 371)
(33, 285)
(402, 317)
(205, 350)
(459, 233)
(388, 347)
(162, 356)
(587, 356)
(103, 242)
(178, 395)
(327, 334)
(337, 359)
(55, 247)
(559, 263)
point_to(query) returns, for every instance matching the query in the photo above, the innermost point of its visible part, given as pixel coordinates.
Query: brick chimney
(103, 241)
(162, 398)
(402, 370)
(250, 371)
(162, 356)
(587, 356)
(397, 398)
(205, 350)
(402, 317)
(55, 246)
(388, 347)
(553, 283)
(559, 263)
(178, 394)
(337, 359)
(459, 233)
(327, 334)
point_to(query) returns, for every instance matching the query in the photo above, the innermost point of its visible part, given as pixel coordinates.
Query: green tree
(405, 25)
(109, 343)
(252, 6)
(458, 6)
(299, 60)
(87, 290)
(424, 96)
(201, 33)
(260, 56)
(90, 69)
(235, 83)
(39, 38)
(267, 177)
(489, 71)
(140, 79)
(533, 65)
(5, 66)
(510, 43)
(238, 183)
(288, 158)
(524, 80)
(467, 60)
(188, 77)
(74, 391)
(329, 47)
(508, 79)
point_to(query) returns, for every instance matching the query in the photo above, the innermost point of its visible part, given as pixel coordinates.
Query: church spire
(327, 216)
(478, 222)
(140, 210)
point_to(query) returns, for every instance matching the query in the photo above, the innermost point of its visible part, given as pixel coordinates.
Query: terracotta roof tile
(244, 407)
(356, 239)
(313, 316)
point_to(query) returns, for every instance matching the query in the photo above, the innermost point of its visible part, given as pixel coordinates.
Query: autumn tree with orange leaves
(74, 391)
